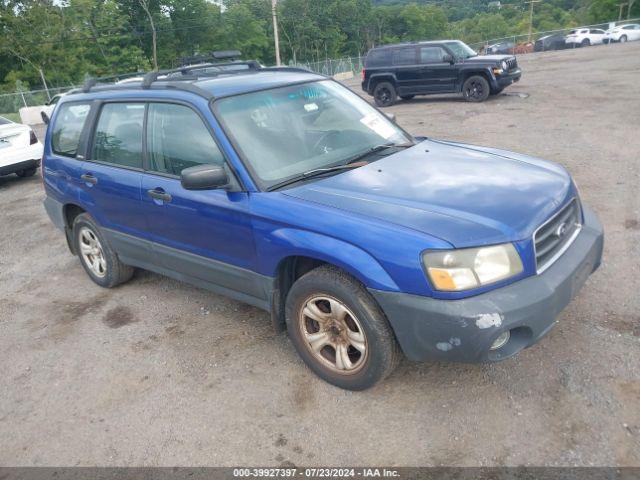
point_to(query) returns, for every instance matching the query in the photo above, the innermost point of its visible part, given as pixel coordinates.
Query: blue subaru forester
(283, 189)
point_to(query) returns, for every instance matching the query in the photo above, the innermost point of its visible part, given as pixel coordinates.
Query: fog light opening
(501, 341)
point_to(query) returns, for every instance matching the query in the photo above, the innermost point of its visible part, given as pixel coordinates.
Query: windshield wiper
(376, 149)
(317, 172)
(348, 164)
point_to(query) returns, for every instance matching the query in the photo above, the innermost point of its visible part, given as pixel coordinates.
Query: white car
(47, 110)
(20, 150)
(623, 33)
(583, 37)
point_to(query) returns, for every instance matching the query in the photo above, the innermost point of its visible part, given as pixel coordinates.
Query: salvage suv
(424, 68)
(285, 190)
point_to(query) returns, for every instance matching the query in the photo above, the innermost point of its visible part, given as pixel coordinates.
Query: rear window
(4, 121)
(378, 58)
(65, 135)
(404, 56)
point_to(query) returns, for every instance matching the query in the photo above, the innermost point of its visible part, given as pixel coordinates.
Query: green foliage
(65, 40)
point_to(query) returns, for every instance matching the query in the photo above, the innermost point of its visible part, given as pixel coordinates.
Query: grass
(14, 117)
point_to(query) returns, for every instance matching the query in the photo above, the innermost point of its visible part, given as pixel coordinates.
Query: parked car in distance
(555, 41)
(506, 48)
(286, 190)
(623, 33)
(583, 37)
(20, 150)
(47, 110)
(424, 68)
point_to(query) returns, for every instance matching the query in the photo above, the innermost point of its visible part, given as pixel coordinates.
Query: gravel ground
(156, 372)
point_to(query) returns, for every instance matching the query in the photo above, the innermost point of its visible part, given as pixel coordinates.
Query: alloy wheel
(92, 253)
(333, 334)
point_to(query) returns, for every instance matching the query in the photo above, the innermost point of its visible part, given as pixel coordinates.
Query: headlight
(463, 269)
(505, 67)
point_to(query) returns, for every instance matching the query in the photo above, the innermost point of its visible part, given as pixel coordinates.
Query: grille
(512, 63)
(556, 234)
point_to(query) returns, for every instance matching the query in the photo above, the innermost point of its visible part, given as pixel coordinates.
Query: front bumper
(463, 330)
(507, 79)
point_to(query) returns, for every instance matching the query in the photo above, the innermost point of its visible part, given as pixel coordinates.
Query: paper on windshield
(378, 125)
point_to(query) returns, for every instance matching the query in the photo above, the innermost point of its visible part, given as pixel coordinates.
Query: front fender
(287, 242)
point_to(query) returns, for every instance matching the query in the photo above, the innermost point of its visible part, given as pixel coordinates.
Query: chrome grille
(512, 63)
(554, 236)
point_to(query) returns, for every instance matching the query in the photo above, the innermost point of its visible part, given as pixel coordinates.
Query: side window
(177, 139)
(65, 135)
(118, 136)
(378, 58)
(404, 56)
(431, 54)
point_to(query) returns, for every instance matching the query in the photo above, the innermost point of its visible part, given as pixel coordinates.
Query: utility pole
(531, 2)
(620, 13)
(275, 31)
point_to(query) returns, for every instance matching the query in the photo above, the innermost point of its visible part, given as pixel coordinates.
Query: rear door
(437, 75)
(596, 35)
(63, 158)
(204, 234)
(112, 174)
(407, 70)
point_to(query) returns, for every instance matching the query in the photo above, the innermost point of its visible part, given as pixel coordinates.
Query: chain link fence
(522, 44)
(11, 103)
(333, 67)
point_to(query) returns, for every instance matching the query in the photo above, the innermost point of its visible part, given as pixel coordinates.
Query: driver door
(203, 234)
(437, 75)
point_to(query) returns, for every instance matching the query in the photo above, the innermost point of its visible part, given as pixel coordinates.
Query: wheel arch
(69, 213)
(377, 78)
(354, 261)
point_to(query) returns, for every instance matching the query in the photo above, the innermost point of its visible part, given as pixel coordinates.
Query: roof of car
(409, 44)
(222, 85)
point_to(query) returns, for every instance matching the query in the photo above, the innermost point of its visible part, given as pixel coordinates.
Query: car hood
(487, 58)
(463, 194)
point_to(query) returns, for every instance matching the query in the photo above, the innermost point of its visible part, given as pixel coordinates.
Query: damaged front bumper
(464, 330)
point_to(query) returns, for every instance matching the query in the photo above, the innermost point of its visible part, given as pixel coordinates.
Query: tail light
(363, 74)
(32, 138)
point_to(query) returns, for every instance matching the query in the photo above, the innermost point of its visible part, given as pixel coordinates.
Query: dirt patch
(118, 317)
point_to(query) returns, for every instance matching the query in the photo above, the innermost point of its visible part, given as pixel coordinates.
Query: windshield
(284, 132)
(461, 49)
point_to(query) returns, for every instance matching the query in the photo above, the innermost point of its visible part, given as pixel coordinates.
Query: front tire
(475, 89)
(385, 94)
(97, 257)
(29, 172)
(339, 330)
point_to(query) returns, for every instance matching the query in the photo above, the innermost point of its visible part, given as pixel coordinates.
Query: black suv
(424, 68)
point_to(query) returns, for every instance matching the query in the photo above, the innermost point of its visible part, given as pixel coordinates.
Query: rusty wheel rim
(333, 334)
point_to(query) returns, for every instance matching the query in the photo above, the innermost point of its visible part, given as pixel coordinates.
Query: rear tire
(475, 89)
(585, 43)
(623, 39)
(97, 257)
(385, 94)
(339, 330)
(29, 172)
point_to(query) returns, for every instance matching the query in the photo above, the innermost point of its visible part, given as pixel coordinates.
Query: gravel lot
(156, 372)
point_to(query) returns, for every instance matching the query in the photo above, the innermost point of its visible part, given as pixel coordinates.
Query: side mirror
(204, 177)
(391, 116)
(447, 58)
(45, 118)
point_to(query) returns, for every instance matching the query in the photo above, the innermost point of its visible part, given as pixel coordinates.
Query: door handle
(88, 178)
(159, 195)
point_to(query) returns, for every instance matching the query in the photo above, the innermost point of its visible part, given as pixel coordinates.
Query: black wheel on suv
(29, 172)
(339, 330)
(385, 94)
(406, 97)
(475, 89)
(96, 255)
